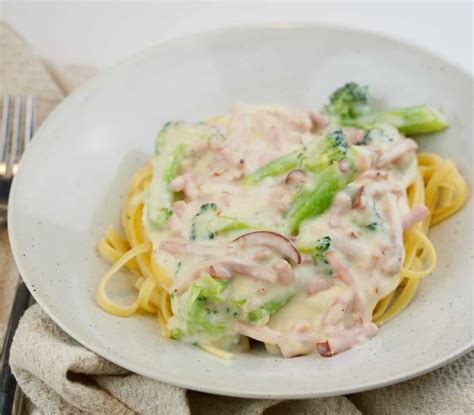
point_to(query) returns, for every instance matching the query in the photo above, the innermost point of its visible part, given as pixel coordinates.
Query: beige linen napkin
(62, 377)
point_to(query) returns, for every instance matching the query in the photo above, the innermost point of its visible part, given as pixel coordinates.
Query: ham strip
(393, 217)
(354, 135)
(346, 276)
(284, 271)
(351, 247)
(319, 121)
(359, 201)
(335, 313)
(182, 247)
(313, 287)
(224, 268)
(337, 345)
(417, 214)
(342, 204)
(397, 151)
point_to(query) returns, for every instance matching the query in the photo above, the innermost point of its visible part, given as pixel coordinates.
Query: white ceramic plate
(72, 180)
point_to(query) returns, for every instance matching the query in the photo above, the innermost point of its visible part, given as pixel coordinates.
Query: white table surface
(101, 34)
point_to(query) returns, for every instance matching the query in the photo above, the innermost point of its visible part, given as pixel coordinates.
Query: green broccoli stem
(411, 120)
(161, 215)
(276, 167)
(313, 202)
(314, 158)
(208, 223)
(173, 167)
(263, 313)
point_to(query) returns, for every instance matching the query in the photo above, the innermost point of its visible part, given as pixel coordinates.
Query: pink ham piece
(345, 275)
(296, 177)
(295, 119)
(179, 208)
(313, 287)
(397, 151)
(306, 259)
(200, 148)
(358, 201)
(363, 162)
(275, 137)
(340, 268)
(394, 219)
(351, 247)
(224, 268)
(335, 313)
(341, 206)
(281, 198)
(285, 273)
(354, 135)
(185, 183)
(337, 345)
(261, 254)
(182, 247)
(220, 272)
(226, 265)
(175, 226)
(298, 344)
(179, 183)
(417, 214)
(272, 240)
(319, 120)
(247, 268)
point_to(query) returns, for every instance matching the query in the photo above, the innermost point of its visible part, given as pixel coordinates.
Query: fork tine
(4, 136)
(16, 136)
(29, 121)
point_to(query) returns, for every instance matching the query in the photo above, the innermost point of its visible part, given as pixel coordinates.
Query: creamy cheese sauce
(310, 290)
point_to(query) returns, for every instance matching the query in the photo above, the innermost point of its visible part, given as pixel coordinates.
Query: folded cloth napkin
(59, 376)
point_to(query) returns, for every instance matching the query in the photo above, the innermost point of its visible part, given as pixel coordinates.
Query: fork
(11, 151)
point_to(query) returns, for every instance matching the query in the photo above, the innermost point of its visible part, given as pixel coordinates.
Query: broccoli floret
(323, 244)
(348, 101)
(176, 334)
(332, 147)
(372, 226)
(208, 222)
(199, 308)
(348, 106)
(321, 247)
(200, 227)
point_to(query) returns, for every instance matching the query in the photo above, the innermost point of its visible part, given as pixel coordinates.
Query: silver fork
(12, 147)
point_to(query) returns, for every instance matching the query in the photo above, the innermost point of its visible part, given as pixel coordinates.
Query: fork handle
(4, 191)
(7, 381)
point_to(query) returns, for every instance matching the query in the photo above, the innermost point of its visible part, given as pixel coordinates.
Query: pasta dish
(299, 229)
